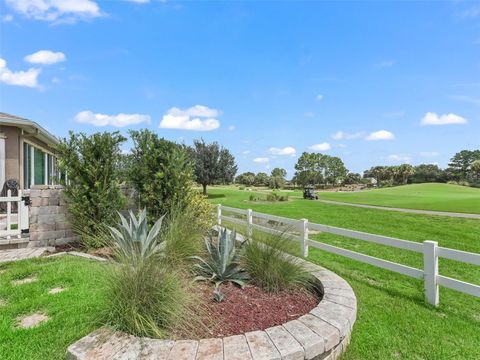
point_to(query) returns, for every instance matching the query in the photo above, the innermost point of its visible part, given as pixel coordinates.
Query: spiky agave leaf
(134, 241)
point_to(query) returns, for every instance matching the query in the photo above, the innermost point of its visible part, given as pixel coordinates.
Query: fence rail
(430, 250)
(15, 221)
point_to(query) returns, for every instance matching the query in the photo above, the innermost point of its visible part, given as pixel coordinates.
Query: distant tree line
(276, 179)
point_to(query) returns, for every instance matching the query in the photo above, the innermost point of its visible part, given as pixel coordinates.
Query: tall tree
(262, 179)
(306, 169)
(335, 170)
(475, 169)
(247, 178)
(406, 171)
(279, 172)
(462, 161)
(213, 164)
(428, 173)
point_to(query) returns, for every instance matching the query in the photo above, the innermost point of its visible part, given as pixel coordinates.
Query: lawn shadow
(215, 196)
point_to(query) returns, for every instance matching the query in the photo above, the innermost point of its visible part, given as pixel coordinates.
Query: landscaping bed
(252, 308)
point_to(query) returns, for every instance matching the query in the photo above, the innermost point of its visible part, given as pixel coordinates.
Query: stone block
(152, 349)
(41, 227)
(261, 347)
(236, 348)
(285, 343)
(183, 350)
(210, 349)
(39, 201)
(345, 301)
(336, 315)
(130, 350)
(312, 343)
(329, 333)
(102, 344)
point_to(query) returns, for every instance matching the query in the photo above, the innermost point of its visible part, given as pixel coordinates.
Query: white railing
(13, 222)
(430, 250)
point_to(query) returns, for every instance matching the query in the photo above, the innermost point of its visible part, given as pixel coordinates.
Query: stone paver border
(324, 334)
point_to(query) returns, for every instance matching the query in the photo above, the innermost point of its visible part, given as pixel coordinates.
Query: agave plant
(223, 263)
(135, 242)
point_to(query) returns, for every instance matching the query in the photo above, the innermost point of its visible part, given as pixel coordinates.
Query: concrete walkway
(21, 254)
(411, 211)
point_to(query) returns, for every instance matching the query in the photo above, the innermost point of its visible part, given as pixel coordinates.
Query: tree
(428, 173)
(353, 178)
(335, 170)
(213, 164)
(161, 173)
(279, 172)
(406, 171)
(247, 178)
(308, 169)
(475, 169)
(461, 163)
(379, 173)
(92, 191)
(276, 182)
(262, 179)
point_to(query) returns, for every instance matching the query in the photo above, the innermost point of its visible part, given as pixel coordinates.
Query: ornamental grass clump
(271, 267)
(147, 297)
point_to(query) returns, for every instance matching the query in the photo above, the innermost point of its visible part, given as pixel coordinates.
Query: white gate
(13, 215)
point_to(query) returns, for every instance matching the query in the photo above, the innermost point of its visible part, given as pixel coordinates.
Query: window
(39, 167)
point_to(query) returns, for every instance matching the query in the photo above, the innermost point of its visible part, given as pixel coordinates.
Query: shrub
(161, 173)
(146, 297)
(222, 263)
(269, 265)
(92, 190)
(242, 187)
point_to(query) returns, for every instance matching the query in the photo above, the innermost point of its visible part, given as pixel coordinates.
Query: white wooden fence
(430, 250)
(13, 223)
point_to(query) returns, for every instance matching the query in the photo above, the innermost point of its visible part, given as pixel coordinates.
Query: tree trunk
(204, 189)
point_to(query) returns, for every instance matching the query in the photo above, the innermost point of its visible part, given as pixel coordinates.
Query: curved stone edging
(323, 334)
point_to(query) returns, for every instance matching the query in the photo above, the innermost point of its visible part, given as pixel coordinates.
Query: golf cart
(309, 193)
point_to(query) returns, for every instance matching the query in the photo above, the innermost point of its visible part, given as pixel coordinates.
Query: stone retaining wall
(49, 225)
(323, 334)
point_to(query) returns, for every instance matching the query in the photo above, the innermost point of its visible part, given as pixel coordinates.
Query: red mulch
(252, 308)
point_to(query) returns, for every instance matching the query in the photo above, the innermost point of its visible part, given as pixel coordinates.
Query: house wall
(14, 140)
(12, 152)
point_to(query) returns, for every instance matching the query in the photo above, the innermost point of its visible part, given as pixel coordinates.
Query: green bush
(92, 190)
(269, 265)
(146, 296)
(161, 173)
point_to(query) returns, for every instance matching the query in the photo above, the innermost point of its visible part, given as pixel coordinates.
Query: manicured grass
(73, 313)
(439, 197)
(394, 321)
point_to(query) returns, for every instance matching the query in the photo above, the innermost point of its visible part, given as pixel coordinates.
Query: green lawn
(439, 197)
(73, 313)
(394, 322)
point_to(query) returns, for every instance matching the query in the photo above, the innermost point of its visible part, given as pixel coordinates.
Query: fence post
(430, 269)
(9, 213)
(249, 223)
(304, 236)
(219, 214)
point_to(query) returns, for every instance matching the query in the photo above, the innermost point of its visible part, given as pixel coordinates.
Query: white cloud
(231, 127)
(429, 153)
(261, 160)
(432, 118)
(385, 63)
(59, 11)
(380, 135)
(140, 1)
(319, 97)
(27, 78)
(7, 18)
(283, 151)
(400, 158)
(196, 118)
(321, 147)
(340, 135)
(119, 120)
(45, 57)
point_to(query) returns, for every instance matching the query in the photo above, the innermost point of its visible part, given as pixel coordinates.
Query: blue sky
(374, 83)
